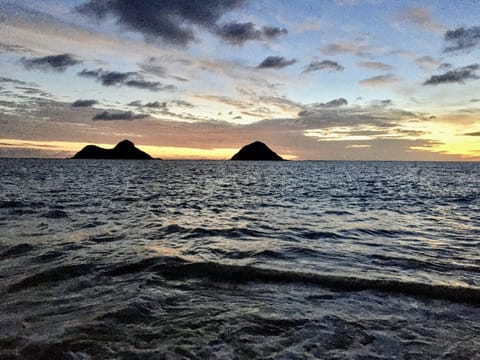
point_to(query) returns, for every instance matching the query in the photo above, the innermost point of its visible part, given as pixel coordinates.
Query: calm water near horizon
(216, 259)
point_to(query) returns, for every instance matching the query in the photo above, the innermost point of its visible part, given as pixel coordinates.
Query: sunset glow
(298, 77)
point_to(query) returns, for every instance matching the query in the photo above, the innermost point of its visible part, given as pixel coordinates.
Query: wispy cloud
(374, 65)
(328, 65)
(358, 49)
(12, 81)
(459, 75)
(131, 79)
(379, 81)
(427, 63)
(57, 63)
(420, 17)
(275, 62)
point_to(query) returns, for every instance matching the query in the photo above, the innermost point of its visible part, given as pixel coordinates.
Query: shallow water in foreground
(191, 259)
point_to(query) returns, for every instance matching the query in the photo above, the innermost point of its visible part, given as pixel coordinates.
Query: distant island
(126, 150)
(123, 150)
(256, 151)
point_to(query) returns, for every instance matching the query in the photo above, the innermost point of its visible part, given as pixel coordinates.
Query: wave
(53, 275)
(16, 250)
(175, 268)
(201, 232)
(179, 269)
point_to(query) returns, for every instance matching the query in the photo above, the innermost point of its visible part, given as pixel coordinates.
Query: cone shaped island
(124, 150)
(256, 151)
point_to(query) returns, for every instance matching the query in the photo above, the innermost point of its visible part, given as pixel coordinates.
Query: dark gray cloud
(131, 79)
(161, 105)
(182, 103)
(57, 63)
(238, 33)
(320, 108)
(462, 38)
(136, 103)
(445, 66)
(476, 133)
(381, 103)
(84, 103)
(127, 115)
(172, 21)
(328, 65)
(459, 75)
(155, 105)
(12, 81)
(276, 62)
(335, 103)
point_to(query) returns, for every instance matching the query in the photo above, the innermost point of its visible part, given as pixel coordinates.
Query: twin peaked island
(126, 150)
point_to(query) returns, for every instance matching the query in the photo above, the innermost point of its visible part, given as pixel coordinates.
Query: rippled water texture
(191, 259)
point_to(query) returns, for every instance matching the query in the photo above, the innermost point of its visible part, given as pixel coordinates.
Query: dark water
(291, 260)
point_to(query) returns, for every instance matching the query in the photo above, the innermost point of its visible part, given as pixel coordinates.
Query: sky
(198, 79)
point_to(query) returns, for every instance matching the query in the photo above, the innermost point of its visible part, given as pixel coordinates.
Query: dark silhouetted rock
(256, 151)
(124, 150)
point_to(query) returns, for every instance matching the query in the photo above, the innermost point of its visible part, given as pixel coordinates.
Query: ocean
(233, 260)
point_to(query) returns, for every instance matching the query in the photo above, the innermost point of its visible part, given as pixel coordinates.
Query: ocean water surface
(219, 260)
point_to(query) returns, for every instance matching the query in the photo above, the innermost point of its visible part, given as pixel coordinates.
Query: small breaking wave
(175, 268)
(54, 275)
(246, 274)
(16, 250)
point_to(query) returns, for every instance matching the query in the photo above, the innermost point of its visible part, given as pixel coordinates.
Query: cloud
(380, 80)
(349, 48)
(84, 103)
(328, 65)
(12, 81)
(161, 105)
(427, 63)
(276, 62)
(12, 48)
(172, 21)
(458, 75)
(238, 33)
(462, 38)
(182, 103)
(319, 108)
(131, 79)
(136, 103)
(57, 63)
(445, 66)
(155, 105)
(336, 103)
(374, 65)
(420, 17)
(127, 115)
(476, 133)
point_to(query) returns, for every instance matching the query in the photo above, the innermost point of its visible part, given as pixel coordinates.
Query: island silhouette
(125, 150)
(256, 151)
